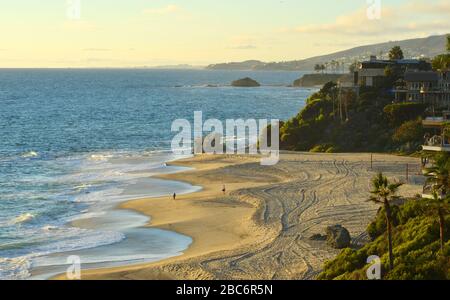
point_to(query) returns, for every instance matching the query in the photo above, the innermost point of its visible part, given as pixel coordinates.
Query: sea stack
(245, 82)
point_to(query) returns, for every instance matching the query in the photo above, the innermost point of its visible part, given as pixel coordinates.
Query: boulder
(318, 237)
(245, 82)
(338, 237)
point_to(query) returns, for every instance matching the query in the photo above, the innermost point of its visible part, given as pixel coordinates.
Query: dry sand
(260, 228)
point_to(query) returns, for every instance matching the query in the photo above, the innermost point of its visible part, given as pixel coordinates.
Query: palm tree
(396, 53)
(384, 191)
(317, 68)
(353, 66)
(439, 176)
(440, 206)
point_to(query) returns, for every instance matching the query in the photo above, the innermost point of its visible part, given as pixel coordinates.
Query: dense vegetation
(411, 238)
(416, 247)
(370, 122)
(337, 120)
(442, 62)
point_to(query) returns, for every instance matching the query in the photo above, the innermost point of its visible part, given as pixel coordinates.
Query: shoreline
(246, 225)
(136, 246)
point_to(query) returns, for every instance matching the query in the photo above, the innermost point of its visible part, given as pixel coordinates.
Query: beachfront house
(425, 87)
(372, 73)
(436, 140)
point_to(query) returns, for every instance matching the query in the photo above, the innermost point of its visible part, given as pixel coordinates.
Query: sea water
(75, 143)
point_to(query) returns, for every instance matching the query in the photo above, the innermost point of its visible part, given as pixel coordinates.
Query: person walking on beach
(174, 196)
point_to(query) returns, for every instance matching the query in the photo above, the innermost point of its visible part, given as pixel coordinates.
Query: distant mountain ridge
(414, 48)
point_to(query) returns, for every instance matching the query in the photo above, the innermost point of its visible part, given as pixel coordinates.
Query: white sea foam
(100, 157)
(23, 218)
(14, 268)
(99, 180)
(30, 154)
(63, 239)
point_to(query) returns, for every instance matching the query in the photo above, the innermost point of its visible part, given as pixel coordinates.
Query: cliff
(310, 80)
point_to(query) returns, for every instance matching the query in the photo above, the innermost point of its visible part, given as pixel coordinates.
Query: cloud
(243, 42)
(426, 7)
(171, 8)
(427, 18)
(79, 25)
(244, 47)
(96, 49)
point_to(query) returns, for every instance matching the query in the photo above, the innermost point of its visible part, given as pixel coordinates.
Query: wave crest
(30, 154)
(23, 218)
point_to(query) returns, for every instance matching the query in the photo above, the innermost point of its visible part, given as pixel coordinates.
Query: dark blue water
(72, 138)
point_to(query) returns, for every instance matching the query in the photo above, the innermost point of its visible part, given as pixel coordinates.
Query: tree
(353, 67)
(441, 62)
(448, 42)
(439, 176)
(409, 132)
(439, 173)
(317, 68)
(396, 53)
(383, 191)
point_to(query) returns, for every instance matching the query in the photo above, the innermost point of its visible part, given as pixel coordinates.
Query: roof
(381, 63)
(371, 72)
(376, 64)
(408, 61)
(427, 76)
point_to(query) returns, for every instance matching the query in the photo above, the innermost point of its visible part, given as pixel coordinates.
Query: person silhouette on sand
(174, 196)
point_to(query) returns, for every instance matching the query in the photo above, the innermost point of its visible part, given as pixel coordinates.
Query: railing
(435, 141)
(424, 90)
(430, 189)
(401, 88)
(435, 119)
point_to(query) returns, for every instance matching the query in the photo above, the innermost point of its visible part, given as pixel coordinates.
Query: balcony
(429, 90)
(429, 190)
(437, 121)
(437, 144)
(434, 121)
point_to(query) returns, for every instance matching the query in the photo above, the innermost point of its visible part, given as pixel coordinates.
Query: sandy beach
(261, 227)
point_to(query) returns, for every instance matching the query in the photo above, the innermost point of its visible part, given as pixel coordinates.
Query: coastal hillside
(418, 255)
(365, 123)
(415, 48)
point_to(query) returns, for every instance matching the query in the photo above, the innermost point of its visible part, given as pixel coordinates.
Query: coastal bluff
(310, 80)
(245, 82)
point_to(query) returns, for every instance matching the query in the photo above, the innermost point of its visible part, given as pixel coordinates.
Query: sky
(137, 33)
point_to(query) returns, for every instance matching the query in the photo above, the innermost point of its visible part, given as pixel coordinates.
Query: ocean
(76, 142)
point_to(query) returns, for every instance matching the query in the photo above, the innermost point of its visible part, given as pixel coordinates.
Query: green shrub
(315, 108)
(416, 248)
(324, 148)
(399, 113)
(366, 124)
(410, 131)
(378, 226)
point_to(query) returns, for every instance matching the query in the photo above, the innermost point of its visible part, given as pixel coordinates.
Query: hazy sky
(119, 33)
